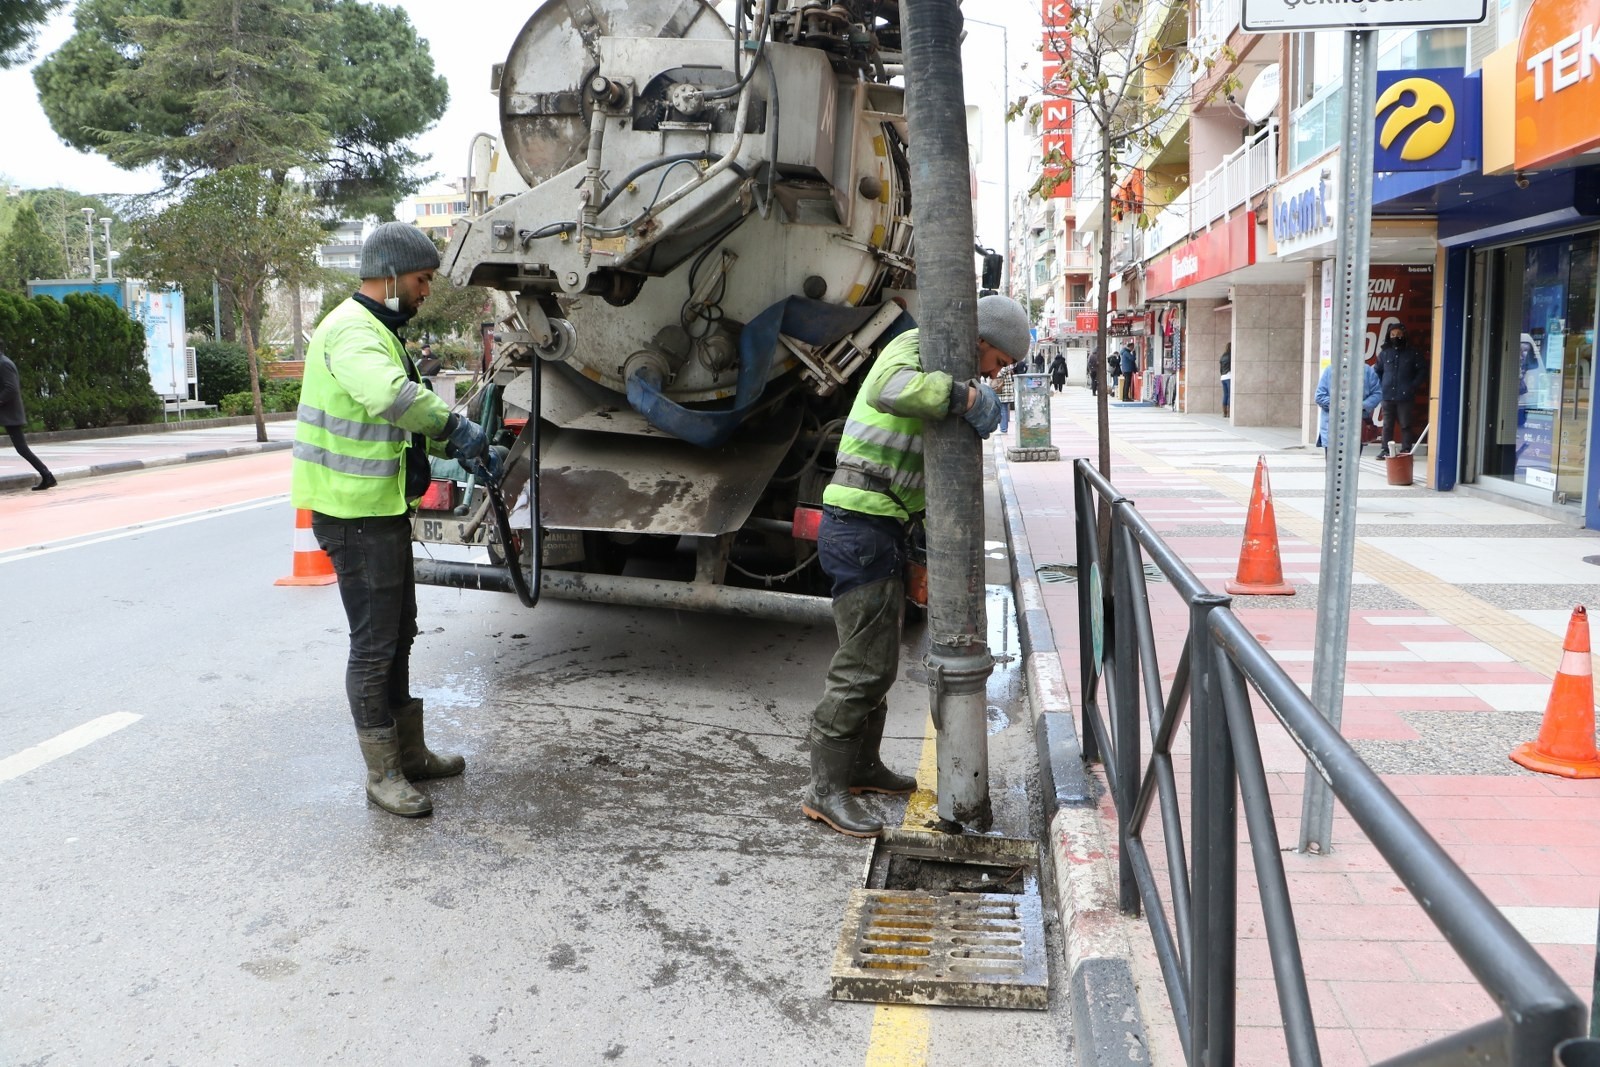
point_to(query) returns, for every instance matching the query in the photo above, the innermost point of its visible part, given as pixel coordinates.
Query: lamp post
(1005, 132)
(88, 223)
(107, 224)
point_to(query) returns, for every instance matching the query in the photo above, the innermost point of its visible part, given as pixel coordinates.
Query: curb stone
(26, 480)
(1107, 1019)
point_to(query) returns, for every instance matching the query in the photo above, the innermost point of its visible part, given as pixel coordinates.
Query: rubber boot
(416, 761)
(828, 797)
(869, 775)
(386, 783)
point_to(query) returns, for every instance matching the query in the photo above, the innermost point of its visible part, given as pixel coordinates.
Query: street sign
(1287, 16)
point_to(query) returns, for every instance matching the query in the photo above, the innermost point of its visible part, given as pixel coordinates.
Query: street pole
(110, 277)
(1344, 421)
(959, 663)
(88, 224)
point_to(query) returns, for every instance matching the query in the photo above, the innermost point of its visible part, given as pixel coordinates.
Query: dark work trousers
(865, 557)
(20, 443)
(1403, 412)
(372, 558)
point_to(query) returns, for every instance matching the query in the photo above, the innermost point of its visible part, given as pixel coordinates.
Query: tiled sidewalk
(134, 451)
(1458, 609)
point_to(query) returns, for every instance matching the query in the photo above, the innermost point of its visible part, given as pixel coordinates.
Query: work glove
(466, 441)
(493, 463)
(986, 414)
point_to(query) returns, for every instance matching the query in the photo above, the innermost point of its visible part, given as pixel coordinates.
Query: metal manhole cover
(962, 949)
(1051, 573)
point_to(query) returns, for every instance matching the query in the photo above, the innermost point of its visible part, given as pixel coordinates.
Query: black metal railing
(1197, 949)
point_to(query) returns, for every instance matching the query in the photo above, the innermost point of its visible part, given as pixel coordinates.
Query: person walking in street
(359, 463)
(1371, 396)
(1092, 371)
(1225, 373)
(428, 364)
(13, 416)
(1402, 371)
(1038, 363)
(1113, 370)
(1058, 372)
(1130, 364)
(869, 509)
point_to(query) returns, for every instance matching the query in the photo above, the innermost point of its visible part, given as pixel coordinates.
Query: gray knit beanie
(1003, 323)
(397, 248)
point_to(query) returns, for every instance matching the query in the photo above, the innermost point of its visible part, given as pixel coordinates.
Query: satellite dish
(1262, 99)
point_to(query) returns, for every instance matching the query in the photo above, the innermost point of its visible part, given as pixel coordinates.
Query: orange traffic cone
(1260, 568)
(1566, 737)
(311, 565)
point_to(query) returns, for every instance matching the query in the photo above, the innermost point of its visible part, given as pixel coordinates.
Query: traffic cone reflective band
(311, 565)
(1260, 567)
(1566, 737)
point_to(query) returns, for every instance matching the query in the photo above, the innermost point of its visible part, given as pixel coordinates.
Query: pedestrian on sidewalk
(428, 364)
(1092, 370)
(359, 463)
(1113, 370)
(1371, 396)
(1402, 371)
(1130, 365)
(14, 417)
(1225, 373)
(1058, 372)
(868, 512)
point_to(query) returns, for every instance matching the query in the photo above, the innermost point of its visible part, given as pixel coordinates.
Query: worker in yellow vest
(360, 463)
(868, 509)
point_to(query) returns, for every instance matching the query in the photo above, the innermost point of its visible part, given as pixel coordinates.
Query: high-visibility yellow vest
(358, 407)
(882, 438)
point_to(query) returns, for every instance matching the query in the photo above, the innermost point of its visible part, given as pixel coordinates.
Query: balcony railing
(1246, 171)
(1216, 22)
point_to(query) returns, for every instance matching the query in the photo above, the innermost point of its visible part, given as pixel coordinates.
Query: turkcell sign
(1283, 16)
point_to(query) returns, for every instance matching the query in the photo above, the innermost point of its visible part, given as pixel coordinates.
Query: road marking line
(64, 744)
(900, 1032)
(15, 555)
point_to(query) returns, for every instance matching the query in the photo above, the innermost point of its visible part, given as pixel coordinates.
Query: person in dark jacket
(1130, 364)
(1092, 370)
(1058, 372)
(13, 417)
(1401, 370)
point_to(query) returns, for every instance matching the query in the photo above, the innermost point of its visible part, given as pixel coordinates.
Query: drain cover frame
(941, 947)
(1051, 573)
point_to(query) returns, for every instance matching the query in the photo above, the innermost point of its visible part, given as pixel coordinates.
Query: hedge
(223, 367)
(81, 361)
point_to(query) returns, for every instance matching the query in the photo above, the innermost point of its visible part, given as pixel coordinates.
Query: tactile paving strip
(959, 949)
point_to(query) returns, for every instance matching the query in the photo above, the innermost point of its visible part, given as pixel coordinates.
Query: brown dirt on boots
(387, 786)
(828, 798)
(417, 762)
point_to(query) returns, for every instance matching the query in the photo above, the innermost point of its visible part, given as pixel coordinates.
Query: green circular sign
(1097, 617)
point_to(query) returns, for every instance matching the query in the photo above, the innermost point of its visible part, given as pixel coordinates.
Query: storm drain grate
(945, 919)
(968, 949)
(1051, 573)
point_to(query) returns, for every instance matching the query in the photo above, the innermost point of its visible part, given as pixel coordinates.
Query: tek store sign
(1220, 250)
(1558, 81)
(1305, 209)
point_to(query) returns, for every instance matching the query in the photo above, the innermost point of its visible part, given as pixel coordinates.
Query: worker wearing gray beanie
(1003, 323)
(397, 248)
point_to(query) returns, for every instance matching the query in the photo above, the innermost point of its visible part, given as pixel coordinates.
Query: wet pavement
(1458, 611)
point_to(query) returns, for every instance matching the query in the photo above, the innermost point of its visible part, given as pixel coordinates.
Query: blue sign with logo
(1425, 119)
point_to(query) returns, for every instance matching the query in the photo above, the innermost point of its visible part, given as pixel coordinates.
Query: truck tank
(707, 238)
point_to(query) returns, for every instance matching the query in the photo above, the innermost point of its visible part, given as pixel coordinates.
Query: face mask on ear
(393, 302)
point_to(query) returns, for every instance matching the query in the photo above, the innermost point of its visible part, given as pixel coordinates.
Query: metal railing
(1244, 172)
(1197, 949)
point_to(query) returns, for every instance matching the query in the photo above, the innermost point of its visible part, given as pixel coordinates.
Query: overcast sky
(466, 37)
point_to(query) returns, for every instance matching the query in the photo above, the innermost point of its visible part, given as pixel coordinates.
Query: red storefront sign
(1056, 119)
(1087, 322)
(1211, 255)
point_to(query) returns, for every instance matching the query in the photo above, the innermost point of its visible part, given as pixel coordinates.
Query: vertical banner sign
(1399, 296)
(1056, 122)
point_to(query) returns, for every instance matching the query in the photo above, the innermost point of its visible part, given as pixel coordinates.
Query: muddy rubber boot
(416, 761)
(868, 774)
(386, 783)
(828, 797)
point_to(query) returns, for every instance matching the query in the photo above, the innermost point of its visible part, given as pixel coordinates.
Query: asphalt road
(622, 875)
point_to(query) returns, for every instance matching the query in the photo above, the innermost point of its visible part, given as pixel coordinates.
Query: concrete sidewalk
(1458, 611)
(87, 457)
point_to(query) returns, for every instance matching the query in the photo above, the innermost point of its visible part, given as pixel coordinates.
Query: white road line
(64, 744)
(35, 551)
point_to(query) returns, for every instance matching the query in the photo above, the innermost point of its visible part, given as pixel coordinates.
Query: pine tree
(28, 253)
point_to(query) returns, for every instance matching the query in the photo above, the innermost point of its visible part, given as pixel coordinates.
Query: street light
(1005, 131)
(109, 254)
(88, 222)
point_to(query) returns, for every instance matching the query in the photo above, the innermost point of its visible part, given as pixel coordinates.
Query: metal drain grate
(963, 949)
(1068, 572)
